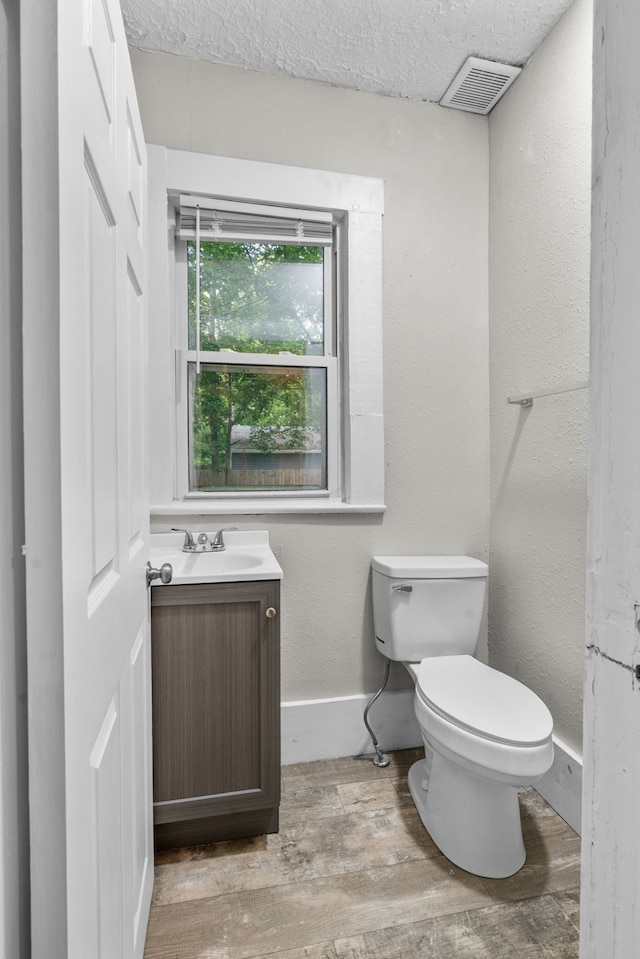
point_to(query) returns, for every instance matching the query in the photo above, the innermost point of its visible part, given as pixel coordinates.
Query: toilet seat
(482, 701)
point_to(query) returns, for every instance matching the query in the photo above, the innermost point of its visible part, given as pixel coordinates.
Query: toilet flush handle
(403, 588)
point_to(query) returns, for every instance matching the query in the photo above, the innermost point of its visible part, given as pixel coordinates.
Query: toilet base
(475, 822)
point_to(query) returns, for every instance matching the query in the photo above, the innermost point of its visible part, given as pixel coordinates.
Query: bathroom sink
(247, 556)
(204, 564)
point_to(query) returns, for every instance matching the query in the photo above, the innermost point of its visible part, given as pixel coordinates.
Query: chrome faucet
(189, 545)
(203, 543)
(218, 542)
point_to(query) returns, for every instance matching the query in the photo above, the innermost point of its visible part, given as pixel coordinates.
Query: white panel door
(104, 511)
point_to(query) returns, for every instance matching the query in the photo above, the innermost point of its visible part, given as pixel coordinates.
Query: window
(259, 327)
(265, 346)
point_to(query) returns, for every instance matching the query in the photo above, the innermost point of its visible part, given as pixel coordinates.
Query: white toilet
(485, 734)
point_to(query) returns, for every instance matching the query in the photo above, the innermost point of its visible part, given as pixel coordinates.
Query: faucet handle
(218, 542)
(189, 544)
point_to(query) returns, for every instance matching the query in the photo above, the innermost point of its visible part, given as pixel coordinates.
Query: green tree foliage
(256, 298)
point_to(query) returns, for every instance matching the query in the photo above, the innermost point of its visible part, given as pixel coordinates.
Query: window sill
(283, 505)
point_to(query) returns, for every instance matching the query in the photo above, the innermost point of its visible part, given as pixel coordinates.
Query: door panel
(105, 815)
(100, 43)
(101, 313)
(136, 689)
(132, 392)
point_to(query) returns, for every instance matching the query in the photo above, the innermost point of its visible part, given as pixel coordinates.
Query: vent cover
(478, 85)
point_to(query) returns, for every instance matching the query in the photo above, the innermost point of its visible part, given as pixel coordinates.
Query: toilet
(485, 734)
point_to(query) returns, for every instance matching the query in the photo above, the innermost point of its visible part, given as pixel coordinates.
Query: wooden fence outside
(256, 479)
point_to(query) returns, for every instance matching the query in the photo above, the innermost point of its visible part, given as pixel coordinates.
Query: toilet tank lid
(430, 567)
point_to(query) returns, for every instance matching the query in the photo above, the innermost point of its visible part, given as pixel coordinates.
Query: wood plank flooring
(353, 874)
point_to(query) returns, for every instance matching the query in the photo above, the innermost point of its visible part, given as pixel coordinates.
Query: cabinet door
(216, 710)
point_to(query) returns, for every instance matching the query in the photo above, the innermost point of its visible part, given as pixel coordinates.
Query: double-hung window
(265, 347)
(258, 362)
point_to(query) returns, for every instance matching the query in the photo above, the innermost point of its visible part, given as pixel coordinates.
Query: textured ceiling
(405, 48)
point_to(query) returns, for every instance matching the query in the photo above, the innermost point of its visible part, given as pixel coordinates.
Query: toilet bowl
(485, 734)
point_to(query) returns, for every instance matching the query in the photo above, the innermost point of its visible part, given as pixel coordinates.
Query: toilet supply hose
(378, 757)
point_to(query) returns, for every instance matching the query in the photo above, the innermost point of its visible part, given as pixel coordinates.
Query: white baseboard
(562, 785)
(331, 728)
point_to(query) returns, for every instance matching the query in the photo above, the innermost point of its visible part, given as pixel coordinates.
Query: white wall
(14, 850)
(435, 166)
(540, 148)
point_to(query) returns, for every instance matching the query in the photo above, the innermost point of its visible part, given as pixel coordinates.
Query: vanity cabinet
(216, 711)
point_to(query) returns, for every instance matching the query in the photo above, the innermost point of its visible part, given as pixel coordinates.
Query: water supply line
(378, 757)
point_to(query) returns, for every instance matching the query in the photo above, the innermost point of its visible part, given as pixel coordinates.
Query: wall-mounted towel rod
(526, 399)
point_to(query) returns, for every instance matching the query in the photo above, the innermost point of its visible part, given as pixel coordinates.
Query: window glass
(257, 427)
(258, 297)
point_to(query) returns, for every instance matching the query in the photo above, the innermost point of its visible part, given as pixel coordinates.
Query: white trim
(274, 183)
(223, 358)
(195, 506)
(562, 785)
(361, 198)
(331, 728)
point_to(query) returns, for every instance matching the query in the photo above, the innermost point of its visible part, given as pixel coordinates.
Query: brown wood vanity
(216, 711)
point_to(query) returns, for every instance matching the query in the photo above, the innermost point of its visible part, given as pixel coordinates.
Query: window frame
(359, 485)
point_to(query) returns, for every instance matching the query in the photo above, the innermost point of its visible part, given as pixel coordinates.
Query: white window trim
(361, 198)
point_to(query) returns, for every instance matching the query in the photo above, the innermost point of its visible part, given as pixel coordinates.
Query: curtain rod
(526, 399)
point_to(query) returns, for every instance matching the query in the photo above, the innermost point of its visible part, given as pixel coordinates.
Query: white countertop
(247, 557)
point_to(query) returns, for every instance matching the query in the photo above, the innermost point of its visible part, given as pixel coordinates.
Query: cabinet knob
(271, 612)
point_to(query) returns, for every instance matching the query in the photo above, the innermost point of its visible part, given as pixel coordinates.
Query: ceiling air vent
(478, 85)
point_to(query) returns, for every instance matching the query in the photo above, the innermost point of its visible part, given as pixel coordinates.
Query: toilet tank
(427, 605)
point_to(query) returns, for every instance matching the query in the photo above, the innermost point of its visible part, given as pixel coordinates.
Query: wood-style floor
(353, 874)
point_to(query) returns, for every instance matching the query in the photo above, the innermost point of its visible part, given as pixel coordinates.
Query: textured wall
(539, 334)
(435, 166)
